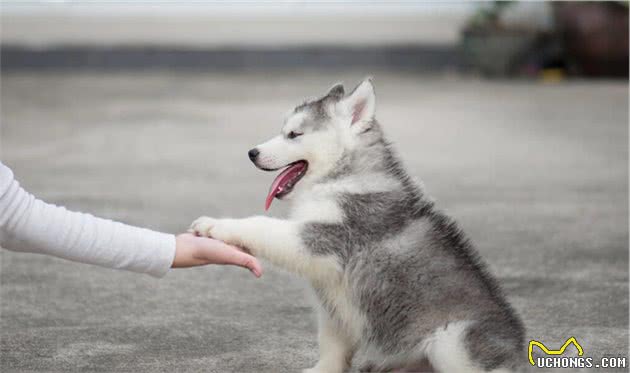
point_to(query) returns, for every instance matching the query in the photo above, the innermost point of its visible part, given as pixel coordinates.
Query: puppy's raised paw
(202, 226)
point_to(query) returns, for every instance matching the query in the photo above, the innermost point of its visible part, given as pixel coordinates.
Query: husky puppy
(396, 279)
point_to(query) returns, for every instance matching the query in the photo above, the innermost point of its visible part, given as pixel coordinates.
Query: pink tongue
(282, 180)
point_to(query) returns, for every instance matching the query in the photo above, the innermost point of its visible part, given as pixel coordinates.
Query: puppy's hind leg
(335, 348)
(449, 350)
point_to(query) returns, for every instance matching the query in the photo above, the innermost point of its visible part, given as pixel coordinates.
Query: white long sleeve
(31, 225)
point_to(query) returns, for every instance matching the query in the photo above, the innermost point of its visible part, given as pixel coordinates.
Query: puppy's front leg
(276, 240)
(335, 348)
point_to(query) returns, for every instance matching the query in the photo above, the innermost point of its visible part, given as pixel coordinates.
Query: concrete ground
(537, 174)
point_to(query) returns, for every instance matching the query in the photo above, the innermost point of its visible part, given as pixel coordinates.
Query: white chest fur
(316, 209)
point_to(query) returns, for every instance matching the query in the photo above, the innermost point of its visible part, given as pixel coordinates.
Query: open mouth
(284, 183)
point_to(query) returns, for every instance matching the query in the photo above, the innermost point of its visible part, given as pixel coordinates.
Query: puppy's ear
(361, 103)
(336, 92)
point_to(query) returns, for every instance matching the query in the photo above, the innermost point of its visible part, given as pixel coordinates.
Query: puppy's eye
(294, 134)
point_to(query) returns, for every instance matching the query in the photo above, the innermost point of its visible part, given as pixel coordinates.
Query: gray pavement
(536, 174)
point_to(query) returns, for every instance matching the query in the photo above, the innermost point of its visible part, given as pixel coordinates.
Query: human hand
(191, 251)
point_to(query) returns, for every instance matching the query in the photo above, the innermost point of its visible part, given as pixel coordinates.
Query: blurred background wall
(244, 24)
(491, 38)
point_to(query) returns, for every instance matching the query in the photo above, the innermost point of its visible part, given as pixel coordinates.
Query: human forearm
(28, 224)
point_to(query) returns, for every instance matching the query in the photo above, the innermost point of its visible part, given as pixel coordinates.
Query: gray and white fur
(396, 279)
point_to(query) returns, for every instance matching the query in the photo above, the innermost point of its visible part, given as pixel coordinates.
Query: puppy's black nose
(253, 153)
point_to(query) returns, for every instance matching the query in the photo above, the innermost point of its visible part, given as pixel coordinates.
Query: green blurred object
(492, 48)
(497, 53)
(488, 16)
